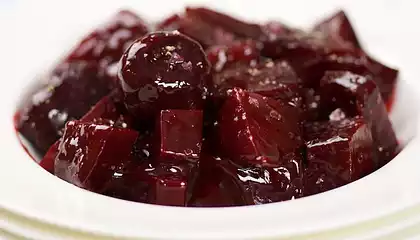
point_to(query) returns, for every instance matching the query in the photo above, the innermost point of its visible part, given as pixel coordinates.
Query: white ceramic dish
(29, 191)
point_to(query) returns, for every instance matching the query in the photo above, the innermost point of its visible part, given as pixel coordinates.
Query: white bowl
(29, 191)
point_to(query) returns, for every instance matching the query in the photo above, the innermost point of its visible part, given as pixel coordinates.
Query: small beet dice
(90, 154)
(259, 185)
(358, 95)
(358, 62)
(258, 130)
(238, 28)
(216, 187)
(171, 184)
(221, 56)
(106, 44)
(69, 92)
(338, 28)
(275, 79)
(163, 70)
(205, 33)
(180, 135)
(338, 152)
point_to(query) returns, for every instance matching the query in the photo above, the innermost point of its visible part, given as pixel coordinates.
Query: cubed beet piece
(216, 187)
(303, 50)
(358, 95)
(90, 154)
(261, 131)
(312, 104)
(107, 43)
(172, 184)
(203, 32)
(259, 185)
(245, 51)
(69, 92)
(338, 152)
(163, 70)
(238, 28)
(338, 28)
(275, 79)
(180, 135)
(360, 63)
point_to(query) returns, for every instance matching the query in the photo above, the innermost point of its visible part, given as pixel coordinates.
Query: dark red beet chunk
(358, 62)
(215, 187)
(106, 44)
(358, 95)
(259, 185)
(180, 134)
(238, 28)
(273, 30)
(258, 130)
(205, 33)
(338, 152)
(70, 91)
(164, 70)
(276, 79)
(222, 56)
(90, 154)
(338, 28)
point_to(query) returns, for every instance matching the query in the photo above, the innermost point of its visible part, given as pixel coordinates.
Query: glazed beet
(258, 130)
(221, 56)
(358, 95)
(163, 70)
(106, 44)
(276, 79)
(90, 154)
(338, 152)
(212, 111)
(338, 28)
(69, 92)
(180, 135)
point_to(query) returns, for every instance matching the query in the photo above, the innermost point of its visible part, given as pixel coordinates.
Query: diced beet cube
(312, 104)
(171, 184)
(204, 33)
(258, 130)
(171, 192)
(338, 152)
(180, 135)
(358, 95)
(276, 79)
(107, 43)
(221, 56)
(302, 50)
(71, 89)
(90, 154)
(238, 28)
(358, 62)
(259, 185)
(163, 70)
(338, 28)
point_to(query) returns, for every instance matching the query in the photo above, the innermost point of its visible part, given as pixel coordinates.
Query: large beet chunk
(358, 95)
(69, 92)
(90, 154)
(338, 152)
